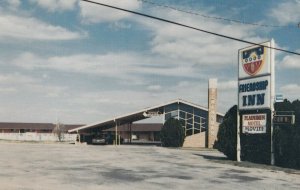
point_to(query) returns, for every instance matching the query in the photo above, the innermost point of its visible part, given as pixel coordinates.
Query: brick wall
(195, 141)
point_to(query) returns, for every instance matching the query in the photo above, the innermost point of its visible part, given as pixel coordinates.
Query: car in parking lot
(100, 139)
(105, 138)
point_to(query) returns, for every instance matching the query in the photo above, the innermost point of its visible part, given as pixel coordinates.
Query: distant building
(35, 132)
(11, 127)
(141, 132)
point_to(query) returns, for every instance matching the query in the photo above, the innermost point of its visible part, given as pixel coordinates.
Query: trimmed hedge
(256, 147)
(172, 133)
(226, 142)
(287, 137)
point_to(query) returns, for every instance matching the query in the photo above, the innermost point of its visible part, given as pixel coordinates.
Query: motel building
(200, 124)
(193, 117)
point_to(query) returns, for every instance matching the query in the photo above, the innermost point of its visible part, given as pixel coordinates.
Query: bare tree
(59, 130)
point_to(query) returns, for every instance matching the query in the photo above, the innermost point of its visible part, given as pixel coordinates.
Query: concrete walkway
(25, 166)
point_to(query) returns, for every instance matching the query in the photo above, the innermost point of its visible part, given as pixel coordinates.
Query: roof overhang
(135, 116)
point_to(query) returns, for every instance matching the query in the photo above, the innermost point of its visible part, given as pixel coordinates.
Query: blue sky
(82, 63)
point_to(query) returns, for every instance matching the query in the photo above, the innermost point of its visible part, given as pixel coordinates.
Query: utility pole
(272, 99)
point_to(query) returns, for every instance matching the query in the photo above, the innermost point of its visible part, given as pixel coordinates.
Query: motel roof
(33, 126)
(135, 116)
(139, 127)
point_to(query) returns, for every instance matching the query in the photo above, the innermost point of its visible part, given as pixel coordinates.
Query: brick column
(212, 112)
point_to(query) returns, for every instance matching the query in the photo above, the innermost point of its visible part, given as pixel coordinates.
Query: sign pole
(238, 141)
(238, 145)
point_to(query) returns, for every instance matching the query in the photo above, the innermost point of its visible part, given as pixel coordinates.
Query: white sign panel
(255, 61)
(279, 98)
(255, 93)
(254, 123)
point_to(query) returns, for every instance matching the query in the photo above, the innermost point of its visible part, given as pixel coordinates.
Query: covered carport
(127, 119)
(193, 116)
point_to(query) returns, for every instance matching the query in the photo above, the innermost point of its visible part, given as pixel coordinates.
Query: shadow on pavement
(210, 157)
(245, 164)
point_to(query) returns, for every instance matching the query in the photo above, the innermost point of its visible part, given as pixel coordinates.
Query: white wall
(36, 137)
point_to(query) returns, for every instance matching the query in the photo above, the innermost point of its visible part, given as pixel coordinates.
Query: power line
(211, 17)
(190, 27)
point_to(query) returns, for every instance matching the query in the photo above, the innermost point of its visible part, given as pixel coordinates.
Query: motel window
(197, 126)
(183, 121)
(189, 116)
(186, 108)
(219, 119)
(182, 114)
(167, 116)
(189, 132)
(190, 121)
(196, 119)
(174, 113)
(189, 126)
(203, 129)
(171, 107)
(200, 112)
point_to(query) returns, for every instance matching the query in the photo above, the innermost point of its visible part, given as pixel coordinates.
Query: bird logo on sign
(252, 60)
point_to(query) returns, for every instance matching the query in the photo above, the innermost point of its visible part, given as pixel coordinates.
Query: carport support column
(116, 133)
(130, 135)
(212, 112)
(78, 135)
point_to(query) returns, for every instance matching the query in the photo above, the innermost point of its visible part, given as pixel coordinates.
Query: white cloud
(291, 87)
(119, 25)
(286, 12)
(16, 82)
(182, 84)
(126, 65)
(55, 5)
(154, 87)
(7, 89)
(227, 85)
(13, 4)
(115, 102)
(15, 78)
(196, 91)
(194, 46)
(33, 29)
(92, 13)
(291, 91)
(291, 61)
(106, 64)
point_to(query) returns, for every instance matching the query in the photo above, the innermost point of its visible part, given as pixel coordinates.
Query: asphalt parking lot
(28, 166)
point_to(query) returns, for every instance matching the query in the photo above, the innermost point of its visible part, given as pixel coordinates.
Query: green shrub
(226, 142)
(287, 137)
(256, 147)
(287, 146)
(172, 133)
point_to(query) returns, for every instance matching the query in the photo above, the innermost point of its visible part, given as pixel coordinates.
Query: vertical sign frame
(256, 84)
